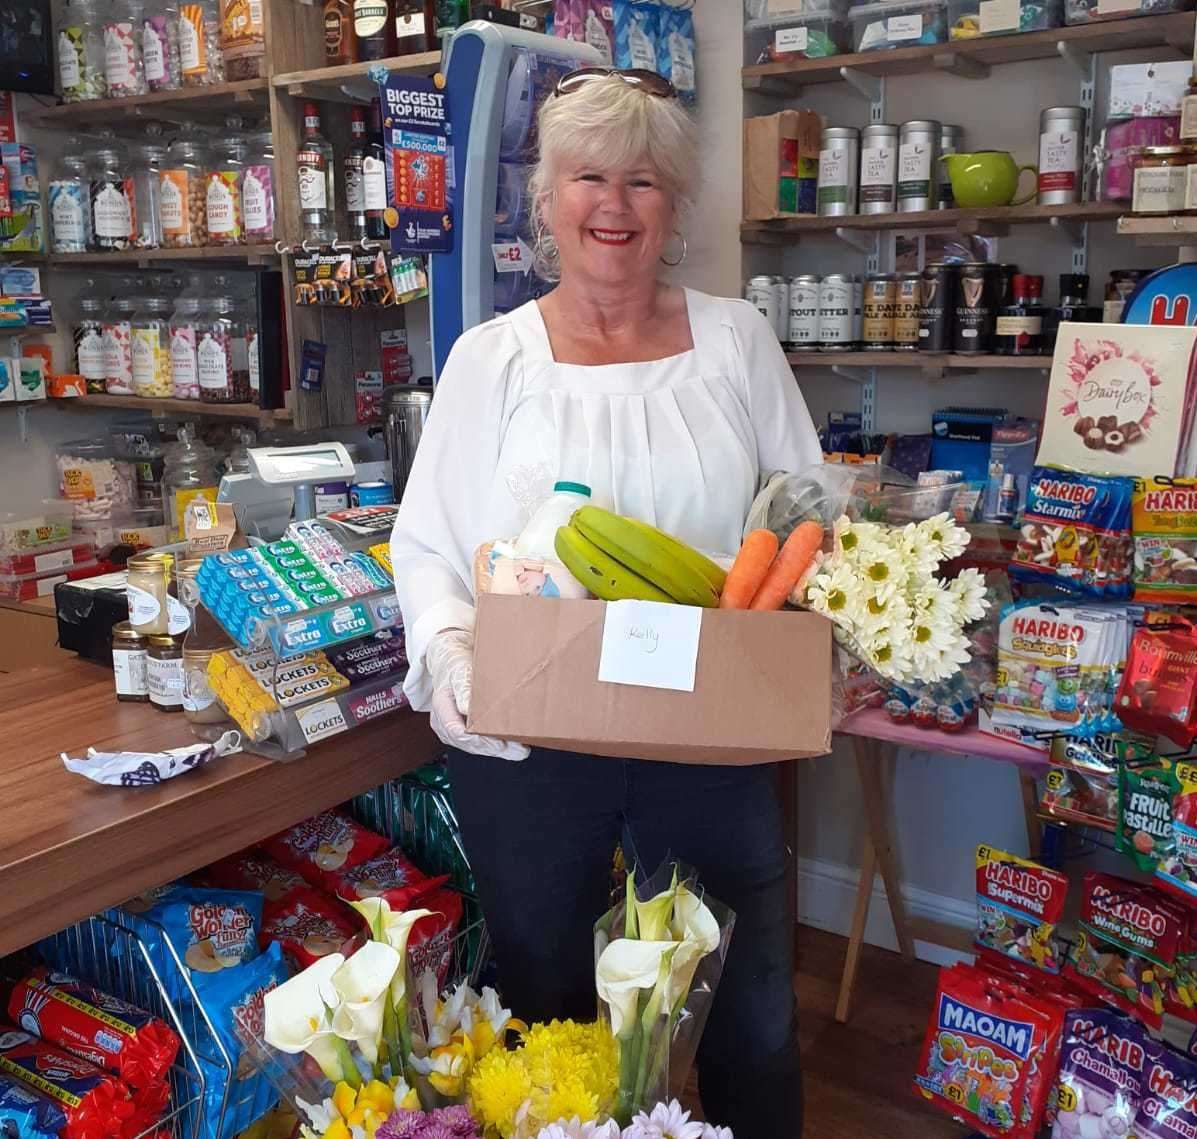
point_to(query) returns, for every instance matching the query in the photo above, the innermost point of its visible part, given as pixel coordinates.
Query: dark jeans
(540, 835)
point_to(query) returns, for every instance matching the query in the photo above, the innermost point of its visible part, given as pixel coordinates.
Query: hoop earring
(685, 250)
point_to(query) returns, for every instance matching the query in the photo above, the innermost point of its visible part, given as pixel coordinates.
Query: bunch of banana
(621, 559)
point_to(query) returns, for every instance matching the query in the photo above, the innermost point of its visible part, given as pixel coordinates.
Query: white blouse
(680, 443)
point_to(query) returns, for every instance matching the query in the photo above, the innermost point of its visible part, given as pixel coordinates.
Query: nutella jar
(164, 673)
(129, 663)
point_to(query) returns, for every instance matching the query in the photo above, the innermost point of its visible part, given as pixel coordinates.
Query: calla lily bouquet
(659, 955)
(351, 1016)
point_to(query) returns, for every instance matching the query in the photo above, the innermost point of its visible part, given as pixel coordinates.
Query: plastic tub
(898, 23)
(815, 34)
(970, 18)
(1086, 11)
(50, 525)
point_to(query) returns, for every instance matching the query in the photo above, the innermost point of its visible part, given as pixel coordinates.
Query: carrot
(789, 566)
(749, 569)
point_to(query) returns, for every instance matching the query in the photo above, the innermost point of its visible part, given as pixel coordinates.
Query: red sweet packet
(320, 847)
(391, 876)
(253, 870)
(1128, 938)
(110, 1033)
(430, 943)
(987, 1053)
(1158, 693)
(309, 925)
(97, 1105)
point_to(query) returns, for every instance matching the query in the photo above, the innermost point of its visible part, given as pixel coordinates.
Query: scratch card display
(1019, 904)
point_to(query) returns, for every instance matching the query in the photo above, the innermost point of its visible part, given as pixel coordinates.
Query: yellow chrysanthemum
(563, 1069)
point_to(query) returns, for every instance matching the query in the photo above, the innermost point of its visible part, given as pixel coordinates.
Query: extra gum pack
(1019, 904)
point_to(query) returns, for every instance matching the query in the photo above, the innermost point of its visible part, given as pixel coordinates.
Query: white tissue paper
(147, 769)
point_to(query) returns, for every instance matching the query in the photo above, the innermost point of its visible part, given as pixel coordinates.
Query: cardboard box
(762, 686)
(781, 164)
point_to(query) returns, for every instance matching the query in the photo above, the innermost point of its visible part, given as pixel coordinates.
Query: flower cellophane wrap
(659, 954)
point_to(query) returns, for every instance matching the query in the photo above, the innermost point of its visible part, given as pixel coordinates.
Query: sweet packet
(1080, 797)
(1058, 667)
(1176, 869)
(1076, 534)
(676, 50)
(986, 1053)
(1165, 528)
(636, 31)
(1019, 904)
(1127, 943)
(1158, 693)
(1145, 796)
(1101, 1068)
(1168, 1104)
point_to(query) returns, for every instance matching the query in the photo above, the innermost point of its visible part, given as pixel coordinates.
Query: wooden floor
(858, 1075)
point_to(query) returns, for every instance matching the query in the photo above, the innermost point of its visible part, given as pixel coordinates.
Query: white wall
(943, 806)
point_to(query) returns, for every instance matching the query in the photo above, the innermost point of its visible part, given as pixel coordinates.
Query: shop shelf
(972, 59)
(189, 104)
(324, 625)
(161, 408)
(29, 330)
(240, 254)
(975, 221)
(934, 362)
(1171, 229)
(351, 82)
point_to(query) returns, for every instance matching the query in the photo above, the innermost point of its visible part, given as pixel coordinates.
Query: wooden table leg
(874, 764)
(1030, 810)
(860, 917)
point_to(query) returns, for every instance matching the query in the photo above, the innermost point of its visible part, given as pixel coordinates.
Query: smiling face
(610, 225)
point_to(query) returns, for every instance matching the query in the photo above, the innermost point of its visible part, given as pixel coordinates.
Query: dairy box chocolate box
(1120, 399)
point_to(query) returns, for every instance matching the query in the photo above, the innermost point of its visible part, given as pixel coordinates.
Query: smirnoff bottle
(317, 199)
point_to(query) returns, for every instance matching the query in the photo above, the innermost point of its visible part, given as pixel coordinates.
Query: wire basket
(416, 813)
(110, 953)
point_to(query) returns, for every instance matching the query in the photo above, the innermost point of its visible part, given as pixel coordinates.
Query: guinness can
(977, 300)
(937, 306)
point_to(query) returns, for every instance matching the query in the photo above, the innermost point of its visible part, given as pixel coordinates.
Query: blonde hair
(610, 125)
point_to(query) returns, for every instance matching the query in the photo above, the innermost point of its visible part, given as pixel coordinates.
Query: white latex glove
(450, 659)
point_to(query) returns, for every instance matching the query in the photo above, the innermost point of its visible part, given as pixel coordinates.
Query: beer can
(877, 317)
(803, 333)
(763, 295)
(977, 300)
(839, 312)
(908, 291)
(781, 288)
(937, 306)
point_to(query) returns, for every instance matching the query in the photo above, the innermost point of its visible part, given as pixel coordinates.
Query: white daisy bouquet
(664, 1121)
(877, 586)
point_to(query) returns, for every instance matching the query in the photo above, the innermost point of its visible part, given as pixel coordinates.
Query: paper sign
(650, 644)
(512, 256)
(790, 39)
(898, 28)
(1000, 16)
(1109, 7)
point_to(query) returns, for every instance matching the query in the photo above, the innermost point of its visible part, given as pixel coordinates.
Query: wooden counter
(69, 847)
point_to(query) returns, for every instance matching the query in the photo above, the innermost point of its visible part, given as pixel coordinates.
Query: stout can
(803, 333)
(937, 306)
(977, 301)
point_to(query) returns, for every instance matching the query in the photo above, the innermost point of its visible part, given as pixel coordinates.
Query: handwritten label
(790, 39)
(650, 645)
(899, 28)
(999, 16)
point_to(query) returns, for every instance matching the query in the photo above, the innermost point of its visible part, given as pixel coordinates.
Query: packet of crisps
(252, 870)
(430, 943)
(323, 845)
(1145, 798)
(391, 876)
(309, 925)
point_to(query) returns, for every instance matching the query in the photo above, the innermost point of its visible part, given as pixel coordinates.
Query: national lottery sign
(415, 129)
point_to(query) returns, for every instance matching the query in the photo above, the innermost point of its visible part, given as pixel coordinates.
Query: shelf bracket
(23, 424)
(855, 375)
(962, 66)
(1079, 58)
(862, 240)
(871, 87)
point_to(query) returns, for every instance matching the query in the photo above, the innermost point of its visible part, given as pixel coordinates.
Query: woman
(670, 405)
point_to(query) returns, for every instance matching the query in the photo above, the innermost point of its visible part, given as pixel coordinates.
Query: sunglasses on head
(643, 80)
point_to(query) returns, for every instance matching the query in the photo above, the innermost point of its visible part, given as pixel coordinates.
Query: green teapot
(987, 178)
